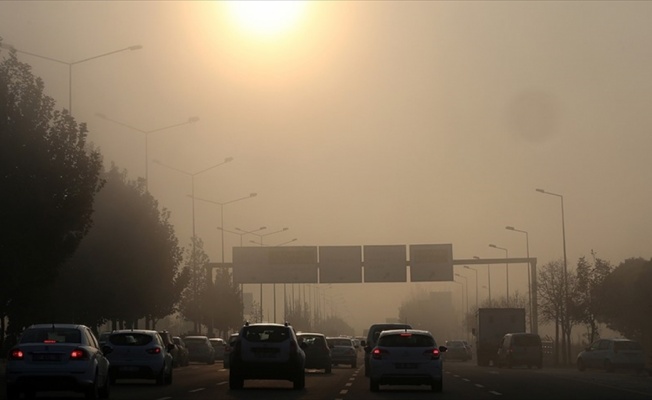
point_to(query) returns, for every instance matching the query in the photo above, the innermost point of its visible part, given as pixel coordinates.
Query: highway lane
(463, 381)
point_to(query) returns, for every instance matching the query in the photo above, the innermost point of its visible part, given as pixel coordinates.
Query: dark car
(228, 349)
(520, 349)
(318, 354)
(457, 350)
(372, 338)
(182, 351)
(173, 349)
(267, 351)
(200, 349)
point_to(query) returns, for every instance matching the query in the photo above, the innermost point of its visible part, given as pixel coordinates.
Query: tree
(553, 304)
(583, 301)
(227, 307)
(48, 180)
(129, 261)
(195, 299)
(625, 300)
(334, 326)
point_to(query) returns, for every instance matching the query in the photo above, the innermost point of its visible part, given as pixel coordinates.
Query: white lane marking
(344, 391)
(196, 390)
(466, 380)
(479, 385)
(348, 384)
(457, 376)
(164, 398)
(221, 383)
(496, 393)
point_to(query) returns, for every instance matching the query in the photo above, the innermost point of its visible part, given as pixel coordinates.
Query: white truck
(492, 325)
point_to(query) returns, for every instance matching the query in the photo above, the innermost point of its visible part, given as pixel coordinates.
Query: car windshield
(194, 341)
(51, 335)
(130, 339)
(406, 340)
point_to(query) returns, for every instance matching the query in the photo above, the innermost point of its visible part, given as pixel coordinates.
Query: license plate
(406, 365)
(45, 357)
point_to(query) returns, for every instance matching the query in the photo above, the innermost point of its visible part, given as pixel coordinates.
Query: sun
(266, 18)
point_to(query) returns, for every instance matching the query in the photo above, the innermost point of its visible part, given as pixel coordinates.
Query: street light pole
(488, 280)
(529, 272)
(565, 279)
(192, 182)
(70, 64)
(222, 204)
(476, 284)
(146, 133)
(506, 268)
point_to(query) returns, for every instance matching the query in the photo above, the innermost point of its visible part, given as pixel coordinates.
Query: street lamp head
(101, 115)
(493, 245)
(193, 119)
(253, 194)
(540, 190)
(467, 267)
(476, 257)
(135, 47)
(228, 159)
(509, 228)
(458, 275)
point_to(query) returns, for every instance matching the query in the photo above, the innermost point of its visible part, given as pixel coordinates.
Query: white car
(611, 354)
(139, 354)
(406, 357)
(57, 357)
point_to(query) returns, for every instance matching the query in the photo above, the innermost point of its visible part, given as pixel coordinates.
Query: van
(372, 338)
(520, 349)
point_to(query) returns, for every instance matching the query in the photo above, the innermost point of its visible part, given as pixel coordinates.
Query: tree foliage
(196, 296)
(48, 180)
(226, 303)
(625, 299)
(129, 260)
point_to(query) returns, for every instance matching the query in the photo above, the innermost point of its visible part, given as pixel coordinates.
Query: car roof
(145, 331)
(310, 334)
(41, 326)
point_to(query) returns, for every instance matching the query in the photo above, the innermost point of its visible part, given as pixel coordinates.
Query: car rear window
(195, 341)
(130, 339)
(49, 335)
(269, 334)
(339, 342)
(627, 346)
(406, 340)
(526, 340)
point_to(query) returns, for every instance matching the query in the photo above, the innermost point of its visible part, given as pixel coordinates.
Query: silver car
(406, 357)
(610, 354)
(139, 354)
(57, 357)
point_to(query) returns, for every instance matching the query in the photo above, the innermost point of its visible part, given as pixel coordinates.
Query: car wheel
(608, 366)
(105, 391)
(299, 381)
(168, 378)
(92, 391)
(580, 365)
(236, 382)
(160, 378)
(374, 385)
(437, 385)
(12, 393)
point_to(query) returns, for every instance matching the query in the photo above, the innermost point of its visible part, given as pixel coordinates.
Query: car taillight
(79, 354)
(16, 354)
(434, 354)
(377, 353)
(49, 341)
(154, 350)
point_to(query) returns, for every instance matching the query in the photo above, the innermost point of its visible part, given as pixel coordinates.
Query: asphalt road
(463, 380)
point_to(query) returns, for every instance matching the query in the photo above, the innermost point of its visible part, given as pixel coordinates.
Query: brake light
(16, 354)
(79, 354)
(377, 353)
(155, 350)
(405, 334)
(434, 353)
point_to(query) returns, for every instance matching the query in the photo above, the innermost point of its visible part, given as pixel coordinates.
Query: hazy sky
(371, 123)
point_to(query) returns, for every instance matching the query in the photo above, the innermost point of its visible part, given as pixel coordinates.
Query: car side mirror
(171, 347)
(107, 350)
(443, 349)
(367, 349)
(363, 343)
